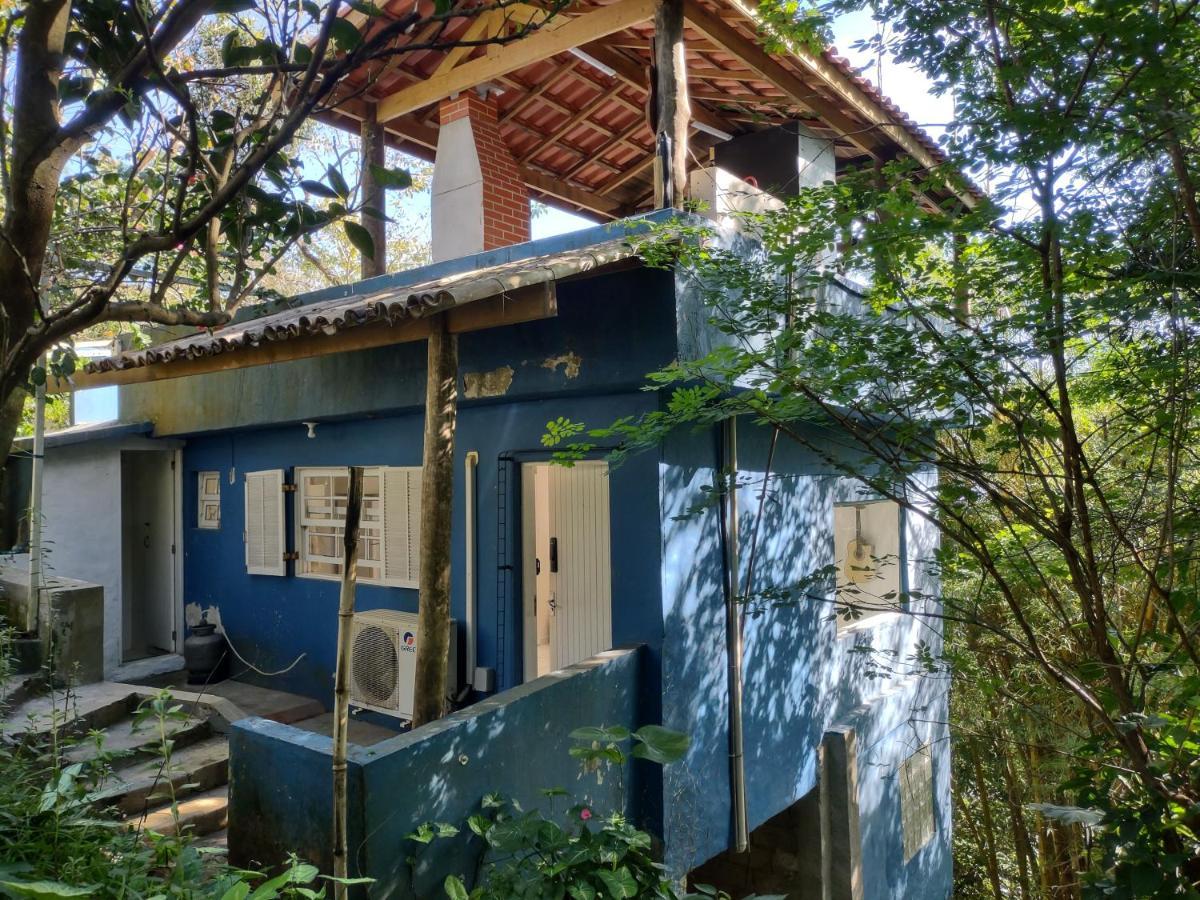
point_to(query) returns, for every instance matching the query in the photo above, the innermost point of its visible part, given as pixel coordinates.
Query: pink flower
(585, 814)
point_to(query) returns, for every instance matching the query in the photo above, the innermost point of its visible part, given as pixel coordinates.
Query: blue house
(591, 595)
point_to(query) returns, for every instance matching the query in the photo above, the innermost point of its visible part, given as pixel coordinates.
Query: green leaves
(660, 745)
(360, 238)
(391, 179)
(620, 883)
(455, 889)
(345, 35)
(43, 890)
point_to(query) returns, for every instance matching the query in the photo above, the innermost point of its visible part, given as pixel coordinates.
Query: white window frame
(206, 500)
(370, 525)
(918, 819)
(859, 595)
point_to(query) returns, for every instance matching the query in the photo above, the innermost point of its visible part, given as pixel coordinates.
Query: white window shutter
(265, 523)
(401, 525)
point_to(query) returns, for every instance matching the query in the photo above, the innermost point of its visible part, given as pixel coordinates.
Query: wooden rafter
(486, 25)
(539, 91)
(533, 48)
(725, 35)
(634, 75)
(622, 138)
(582, 113)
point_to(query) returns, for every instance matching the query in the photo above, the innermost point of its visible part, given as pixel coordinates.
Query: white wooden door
(572, 564)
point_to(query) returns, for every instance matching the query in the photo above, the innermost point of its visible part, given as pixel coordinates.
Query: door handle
(553, 604)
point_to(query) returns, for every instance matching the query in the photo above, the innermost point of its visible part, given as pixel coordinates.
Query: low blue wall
(515, 743)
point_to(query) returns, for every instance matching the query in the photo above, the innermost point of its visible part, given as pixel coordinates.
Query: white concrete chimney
(479, 199)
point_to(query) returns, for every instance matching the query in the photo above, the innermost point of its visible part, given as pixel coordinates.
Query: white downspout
(472, 463)
(32, 611)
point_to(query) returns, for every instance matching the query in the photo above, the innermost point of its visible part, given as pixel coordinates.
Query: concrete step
(198, 815)
(143, 786)
(134, 745)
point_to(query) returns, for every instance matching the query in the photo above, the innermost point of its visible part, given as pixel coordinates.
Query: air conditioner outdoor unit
(383, 658)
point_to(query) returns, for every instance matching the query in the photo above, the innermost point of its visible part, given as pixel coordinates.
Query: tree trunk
(341, 678)
(989, 826)
(374, 153)
(672, 113)
(437, 493)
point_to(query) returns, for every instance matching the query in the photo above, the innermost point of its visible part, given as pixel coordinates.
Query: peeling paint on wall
(488, 384)
(569, 361)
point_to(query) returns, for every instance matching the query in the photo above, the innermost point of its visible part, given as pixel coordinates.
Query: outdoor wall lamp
(312, 428)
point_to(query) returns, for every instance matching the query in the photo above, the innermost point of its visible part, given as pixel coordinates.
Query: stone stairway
(143, 785)
(141, 788)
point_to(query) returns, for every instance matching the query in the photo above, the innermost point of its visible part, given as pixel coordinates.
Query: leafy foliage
(60, 842)
(584, 855)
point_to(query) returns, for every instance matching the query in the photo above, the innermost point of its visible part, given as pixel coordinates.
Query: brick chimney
(479, 200)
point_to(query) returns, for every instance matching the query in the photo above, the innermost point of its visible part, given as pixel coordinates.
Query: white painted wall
(81, 525)
(82, 528)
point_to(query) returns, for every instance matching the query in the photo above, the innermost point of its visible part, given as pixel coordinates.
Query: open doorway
(149, 521)
(566, 564)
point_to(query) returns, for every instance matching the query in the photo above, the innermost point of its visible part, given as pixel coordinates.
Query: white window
(264, 523)
(388, 529)
(916, 801)
(208, 493)
(866, 538)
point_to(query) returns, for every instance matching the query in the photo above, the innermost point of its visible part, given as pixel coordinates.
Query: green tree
(1038, 350)
(148, 165)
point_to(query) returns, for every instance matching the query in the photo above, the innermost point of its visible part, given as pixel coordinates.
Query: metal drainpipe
(472, 463)
(32, 610)
(733, 642)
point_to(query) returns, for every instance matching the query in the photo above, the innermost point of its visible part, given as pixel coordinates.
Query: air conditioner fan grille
(375, 666)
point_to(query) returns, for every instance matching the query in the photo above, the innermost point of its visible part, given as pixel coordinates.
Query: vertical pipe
(32, 607)
(733, 641)
(472, 463)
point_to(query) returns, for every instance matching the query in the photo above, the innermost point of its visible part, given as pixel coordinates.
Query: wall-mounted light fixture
(312, 428)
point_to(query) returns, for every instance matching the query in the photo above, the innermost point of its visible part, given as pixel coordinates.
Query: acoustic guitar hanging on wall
(860, 555)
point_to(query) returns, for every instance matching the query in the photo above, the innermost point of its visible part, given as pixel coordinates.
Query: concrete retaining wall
(77, 620)
(515, 743)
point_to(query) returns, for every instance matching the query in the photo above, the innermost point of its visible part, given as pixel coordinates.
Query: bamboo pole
(437, 494)
(341, 680)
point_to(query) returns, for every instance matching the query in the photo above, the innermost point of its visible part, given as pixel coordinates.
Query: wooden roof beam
(726, 36)
(528, 50)
(634, 75)
(533, 93)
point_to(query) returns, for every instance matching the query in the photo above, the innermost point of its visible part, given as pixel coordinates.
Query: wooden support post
(437, 493)
(341, 678)
(374, 150)
(672, 114)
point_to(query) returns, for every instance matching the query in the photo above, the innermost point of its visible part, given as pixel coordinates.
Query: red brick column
(505, 198)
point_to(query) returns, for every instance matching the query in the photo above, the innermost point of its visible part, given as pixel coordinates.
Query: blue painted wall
(280, 777)
(617, 327)
(800, 677)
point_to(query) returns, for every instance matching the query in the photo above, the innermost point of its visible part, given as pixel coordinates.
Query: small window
(866, 539)
(916, 801)
(209, 493)
(387, 536)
